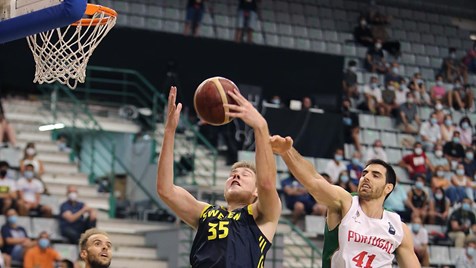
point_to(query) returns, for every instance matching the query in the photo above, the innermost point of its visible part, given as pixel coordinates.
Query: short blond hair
(83, 240)
(244, 164)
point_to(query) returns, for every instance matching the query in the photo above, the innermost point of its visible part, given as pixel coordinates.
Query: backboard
(21, 18)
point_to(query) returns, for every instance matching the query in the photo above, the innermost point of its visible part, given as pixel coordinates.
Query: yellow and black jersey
(227, 239)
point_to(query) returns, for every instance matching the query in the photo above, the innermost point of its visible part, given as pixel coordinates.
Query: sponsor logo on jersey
(391, 229)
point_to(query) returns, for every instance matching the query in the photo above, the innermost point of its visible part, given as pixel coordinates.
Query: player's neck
(372, 208)
(234, 205)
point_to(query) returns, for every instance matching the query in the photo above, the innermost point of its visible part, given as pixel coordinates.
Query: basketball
(209, 98)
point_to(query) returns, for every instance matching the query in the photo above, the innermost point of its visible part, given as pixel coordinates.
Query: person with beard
(241, 233)
(95, 249)
(359, 231)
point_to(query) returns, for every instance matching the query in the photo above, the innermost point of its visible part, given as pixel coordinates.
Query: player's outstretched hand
(281, 145)
(173, 110)
(244, 110)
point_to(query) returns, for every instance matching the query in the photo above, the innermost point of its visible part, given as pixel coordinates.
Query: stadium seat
(389, 139)
(315, 34)
(138, 9)
(271, 39)
(282, 6)
(123, 20)
(49, 225)
(321, 163)
(257, 38)
(333, 48)
(325, 13)
(25, 222)
(283, 17)
(207, 31)
(330, 36)
(313, 22)
(423, 27)
(319, 46)
(418, 48)
(455, 42)
(423, 61)
(286, 41)
(298, 19)
(428, 39)
(455, 253)
(268, 15)
(367, 121)
(385, 123)
(405, 46)
(270, 27)
(401, 173)
(309, 10)
(432, 51)
(369, 136)
(246, 156)
(67, 251)
(349, 50)
(300, 31)
(227, 34)
(155, 11)
(136, 22)
(172, 26)
(153, 24)
(441, 41)
(315, 225)
(303, 44)
(408, 58)
(428, 73)
(394, 155)
(296, 8)
(172, 13)
(439, 255)
(121, 7)
(224, 21)
(284, 29)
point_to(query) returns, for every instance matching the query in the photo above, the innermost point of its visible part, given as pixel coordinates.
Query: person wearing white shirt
(336, 166)
(30, 190)
(376, 152)
(401, 94)
(465, 129)
(420, 241)
(373, 94)
(468, 259)
(430, 133)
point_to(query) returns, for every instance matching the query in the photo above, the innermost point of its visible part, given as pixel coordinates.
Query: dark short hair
(4, 164)
(390, 176)
(69, 264)
(352, 63)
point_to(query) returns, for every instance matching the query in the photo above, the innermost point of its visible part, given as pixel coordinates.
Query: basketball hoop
(62, 54)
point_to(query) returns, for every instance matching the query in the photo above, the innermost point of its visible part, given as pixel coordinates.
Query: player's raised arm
(325, 193)
(178, 199)
(267, 209)
(406, 257)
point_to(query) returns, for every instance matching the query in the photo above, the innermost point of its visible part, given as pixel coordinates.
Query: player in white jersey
(359, 232)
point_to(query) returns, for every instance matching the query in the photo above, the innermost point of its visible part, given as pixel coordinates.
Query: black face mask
(3, 173)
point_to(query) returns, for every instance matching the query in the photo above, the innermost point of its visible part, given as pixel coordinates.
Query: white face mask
(439, 153)
(73, 196)
(378, 46)
(418, 151)
(439, 106)
(30, 151)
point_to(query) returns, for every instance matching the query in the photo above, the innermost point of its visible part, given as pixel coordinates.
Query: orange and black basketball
(209, 98)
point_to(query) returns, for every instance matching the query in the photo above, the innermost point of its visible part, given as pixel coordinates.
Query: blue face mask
(433, 121)
(28, 174)
(466, 207)
(470, 156)
(465, 125)
(460, 171)
(415, 227)
(344, 178)
(471, 252)
(338, 157)
(355, 161)
(448, 122)
(456, 139)
(43, 243)
(419, 185)
(12, 219)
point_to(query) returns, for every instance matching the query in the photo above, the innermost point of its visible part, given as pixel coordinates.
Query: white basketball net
(62, 54)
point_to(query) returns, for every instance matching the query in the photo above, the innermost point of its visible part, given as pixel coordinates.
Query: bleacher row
(35, 225)
(321, 26)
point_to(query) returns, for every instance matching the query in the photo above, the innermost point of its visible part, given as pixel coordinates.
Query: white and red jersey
(363, 241)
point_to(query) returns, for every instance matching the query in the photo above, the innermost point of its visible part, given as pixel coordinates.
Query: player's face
(372, 184)
(241, 179)
(98, 252)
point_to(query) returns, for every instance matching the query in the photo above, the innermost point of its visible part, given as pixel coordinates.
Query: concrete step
(83, 190)
(34, 136)
(66, 168)
(135, 252)
(99, 202)
(121, 262)
(41, 146)
(56, 157)
(130, 227)
(127, 239)
(65, 178)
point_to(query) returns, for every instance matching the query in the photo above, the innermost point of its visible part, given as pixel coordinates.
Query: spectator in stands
(15, 237)
(355, 168)
(420, 241)
(401, 94)
(363, 33)
(470, 59)
(376, 152)
(75, 216)
(417, 199)
(194, 15)
(42, 254)
(438, 158)
(394, 75)
(299, 201)
(388, 105)
(447, 128)
(461, 98)
(375, 59)
(246, 19)
(276, 99)
(468, 259)
(465, 129)
(30, 158)
(335, 166)
(396, 202)
(417, 86)
(461, 186)
(349, 83)
(439, 179)
(346, 183)
(438, 91)
(453, 150)
(379, 24)
(65, 263)
(30, 189)
(373, 96)
(306, 103)
(8, 189)
(409, 121)
(462, 223)
(351, 125)
(416, 163)
(440, 111)
(453, 69)
(439, 207)
(7, 132)
(430, 133)
(469, 163)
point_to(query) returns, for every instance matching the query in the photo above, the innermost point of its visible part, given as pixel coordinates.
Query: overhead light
(472, 37)
(145, 111)
(51, 127)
